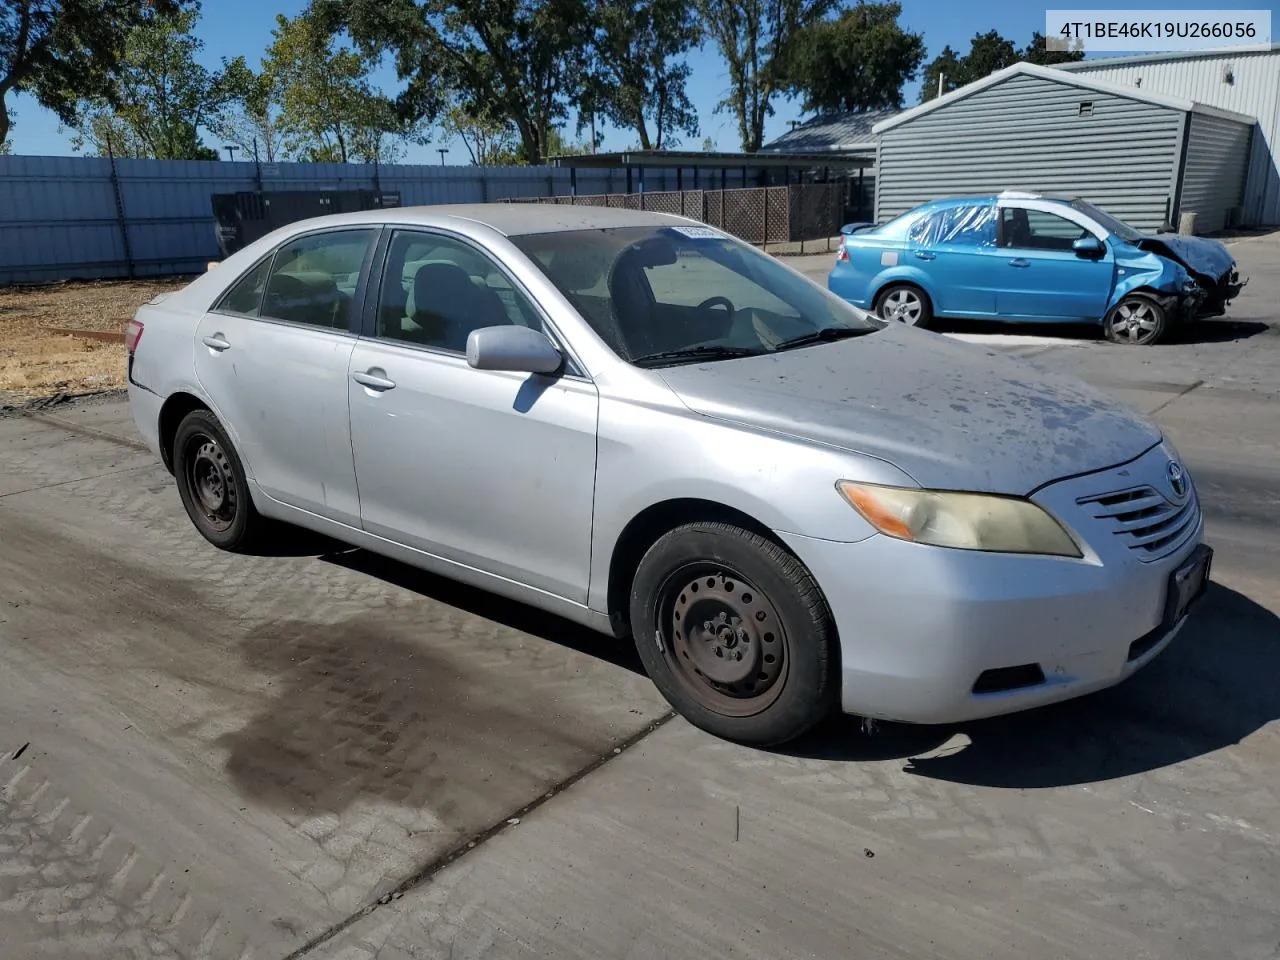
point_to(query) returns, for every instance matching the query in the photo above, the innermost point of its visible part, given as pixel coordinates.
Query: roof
(1054, 75)
(1140, 58)
(510, 219)
(702, 158)
(833, 132)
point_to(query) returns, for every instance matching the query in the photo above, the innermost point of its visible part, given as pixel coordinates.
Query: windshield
(670, 294)
(1109, 223)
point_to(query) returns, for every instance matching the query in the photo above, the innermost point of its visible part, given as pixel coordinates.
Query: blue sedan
(1031, 258)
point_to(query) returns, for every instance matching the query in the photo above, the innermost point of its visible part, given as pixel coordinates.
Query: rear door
(1042, 277)
(273, 356)
(956, 249)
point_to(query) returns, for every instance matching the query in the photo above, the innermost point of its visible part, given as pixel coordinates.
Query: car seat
(448, 305)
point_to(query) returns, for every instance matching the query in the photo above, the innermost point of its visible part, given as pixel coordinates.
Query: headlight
(966, 521)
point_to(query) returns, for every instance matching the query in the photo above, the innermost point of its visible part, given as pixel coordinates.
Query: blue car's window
(1038, 230)
(972, 225)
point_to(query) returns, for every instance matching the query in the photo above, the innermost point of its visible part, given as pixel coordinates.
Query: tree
(988, 52)
(522, 59)
(708, 145)
(490, 141)
(248, 118)
(755, 38)
(1037, 51)
(637, 82)
(329, 110)
(859, 61)
(5, 148)
(63, 52)
(162, 95)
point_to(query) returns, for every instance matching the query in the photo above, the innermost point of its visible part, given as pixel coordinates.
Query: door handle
(373, 381)
(1019, 262)
(925, 255)
(216, 342)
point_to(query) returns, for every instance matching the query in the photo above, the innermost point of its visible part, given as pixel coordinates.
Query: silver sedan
(649, 427)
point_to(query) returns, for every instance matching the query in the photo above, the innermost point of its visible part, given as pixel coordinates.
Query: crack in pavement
(1177, 396)
(65, 483)
(477, 840)
(51, 421)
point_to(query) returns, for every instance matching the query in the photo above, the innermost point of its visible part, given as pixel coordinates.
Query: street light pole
(231, 151)
(442, 151)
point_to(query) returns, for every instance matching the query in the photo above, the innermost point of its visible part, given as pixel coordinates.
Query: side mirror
(513, 348)
(1089, 246)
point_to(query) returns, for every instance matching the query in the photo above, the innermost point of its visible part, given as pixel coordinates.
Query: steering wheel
(710, 302)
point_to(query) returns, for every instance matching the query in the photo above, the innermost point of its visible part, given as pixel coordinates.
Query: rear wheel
(212, 484)
(903, 303)
(735, 633)
(1137, 320)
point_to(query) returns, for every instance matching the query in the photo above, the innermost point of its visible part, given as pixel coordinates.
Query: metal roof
(835, 132)
(705, 158)
(1140, 58)
(1058, 76)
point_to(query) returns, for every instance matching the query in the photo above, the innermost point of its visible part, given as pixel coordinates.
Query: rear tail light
(132, 335)
(842, 254)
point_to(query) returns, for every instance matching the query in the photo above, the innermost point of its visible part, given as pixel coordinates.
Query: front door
(490, 469)
(273, 356)
(1043, 278)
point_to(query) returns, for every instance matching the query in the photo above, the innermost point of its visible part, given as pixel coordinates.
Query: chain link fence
(759, 215)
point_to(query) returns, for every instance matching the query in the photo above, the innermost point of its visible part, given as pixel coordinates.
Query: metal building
(1246, 82)
(1147, 157)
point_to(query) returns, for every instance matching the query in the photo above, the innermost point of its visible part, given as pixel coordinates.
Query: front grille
(1146, 521)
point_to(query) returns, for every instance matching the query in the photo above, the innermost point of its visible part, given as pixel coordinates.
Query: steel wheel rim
(723, 639)
(1134, 321)
(211, 482)
(902, 306)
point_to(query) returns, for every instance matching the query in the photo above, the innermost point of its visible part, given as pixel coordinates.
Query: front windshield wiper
(824, 335)
(693, 354)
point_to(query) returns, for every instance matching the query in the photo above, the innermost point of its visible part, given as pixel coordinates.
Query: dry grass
(35, 362)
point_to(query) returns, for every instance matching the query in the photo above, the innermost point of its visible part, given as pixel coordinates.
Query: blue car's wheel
(1136, 320)
(904, 303)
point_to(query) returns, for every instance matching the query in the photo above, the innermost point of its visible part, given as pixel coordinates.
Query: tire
(212, 484)
(1136, 320)
(904, 303)
(764, 673)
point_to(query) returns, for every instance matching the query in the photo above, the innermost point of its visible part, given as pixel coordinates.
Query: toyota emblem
(1177, 479)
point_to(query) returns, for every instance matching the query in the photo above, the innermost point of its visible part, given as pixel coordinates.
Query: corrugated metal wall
(1214, 169)
(1254, 90)
(1028, 133)
(59, 217)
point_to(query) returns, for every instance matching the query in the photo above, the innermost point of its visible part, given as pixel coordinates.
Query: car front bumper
(933, 635)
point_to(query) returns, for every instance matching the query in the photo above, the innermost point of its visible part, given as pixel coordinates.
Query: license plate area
(1187, 584)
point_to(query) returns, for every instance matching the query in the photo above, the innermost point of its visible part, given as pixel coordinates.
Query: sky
(232, 27)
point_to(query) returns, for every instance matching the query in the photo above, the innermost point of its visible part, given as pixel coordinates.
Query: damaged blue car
(1024, 257)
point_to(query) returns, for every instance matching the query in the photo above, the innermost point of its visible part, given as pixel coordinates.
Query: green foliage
(988, 52)
(489, 140)
(858, 61)
(248, 115)
(64, 52)
(636, 80)
(756, 39)
(329, 110)
(159, 97)
(518, 60)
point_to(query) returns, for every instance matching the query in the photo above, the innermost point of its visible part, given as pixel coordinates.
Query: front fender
(1149, 272)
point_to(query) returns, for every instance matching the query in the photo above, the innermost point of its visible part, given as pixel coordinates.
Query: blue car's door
(956, 249)
(1042, 277)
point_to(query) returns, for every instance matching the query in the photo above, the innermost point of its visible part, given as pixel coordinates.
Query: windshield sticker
(699, 233)
(889, 258)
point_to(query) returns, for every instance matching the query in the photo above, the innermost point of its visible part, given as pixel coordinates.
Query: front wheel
(1136, 320)
(903, 303)
(735, 633)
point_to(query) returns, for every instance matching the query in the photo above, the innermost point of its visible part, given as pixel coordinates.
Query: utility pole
(940, 78)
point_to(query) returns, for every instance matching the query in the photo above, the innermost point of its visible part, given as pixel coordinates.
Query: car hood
(1197, 254)
(951, 415)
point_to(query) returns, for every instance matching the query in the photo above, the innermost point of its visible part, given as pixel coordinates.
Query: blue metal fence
(90, 217)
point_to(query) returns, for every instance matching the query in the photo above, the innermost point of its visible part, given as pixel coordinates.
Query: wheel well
(643, 532)
(171, 414)
(875, 300)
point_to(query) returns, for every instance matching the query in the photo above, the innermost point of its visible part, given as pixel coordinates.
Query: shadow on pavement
(1214, 686)
(1213, 330)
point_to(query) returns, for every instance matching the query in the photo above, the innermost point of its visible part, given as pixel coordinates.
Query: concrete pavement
(328, 755)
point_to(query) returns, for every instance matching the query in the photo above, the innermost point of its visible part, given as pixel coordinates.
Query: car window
(313, 279)
(1108, 222)
(245, 295)
(658, 290)
(1038, 230)
(436, 290)
(969, 225)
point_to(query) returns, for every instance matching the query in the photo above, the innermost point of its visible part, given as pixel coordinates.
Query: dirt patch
(40, 362)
